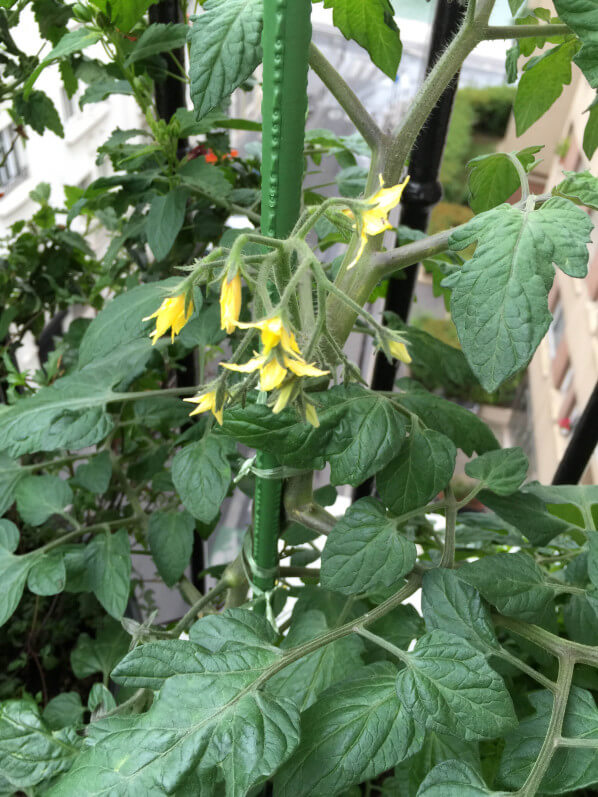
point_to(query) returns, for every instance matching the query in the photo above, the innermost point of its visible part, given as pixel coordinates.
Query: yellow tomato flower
(170, 314)
(280, 354)
(273, 333)
(375, 219)
(399, 351)
(205, 402)
(230, 303)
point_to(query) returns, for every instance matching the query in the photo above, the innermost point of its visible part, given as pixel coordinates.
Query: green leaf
(454, 779)
(205, 178)
(38, 112)
(590, 136)
(13, 577)
(72, 42)
(124, 13)
(424, 466)
(109, 568)
(360, 431)
(305, 679)
(592, 556)
(528, 513)
(500, 297)
(501, 471)
(434, 363)
(354, 732)
(48, 574)
(164, 221)
(95, 475)
(102, 653)
(570, 769)
(466, 430)
(29, 751)
(201, 475)
(542, 83)
(9, 535)
(100, 90)
(580, 187)
(100, 698)
(71, 413)
(512, 582)
(580, 615)
(225, 50)
(580, 15)
(170, 536)
(213, 720)
(62, 710)
(587, 60)
(158, 38)
(11, 474)
(40, 497)
(365, 550)
(233, 629)
(493, 178)
(451, 605)
(352, 180)
(449, 687)
(436, 749)
(370, 23)
(121, 320)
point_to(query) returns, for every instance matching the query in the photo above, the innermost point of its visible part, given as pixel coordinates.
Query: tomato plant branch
(448, 552)
(346, 97)
(506, 655)
(524, 31)
(559, 707)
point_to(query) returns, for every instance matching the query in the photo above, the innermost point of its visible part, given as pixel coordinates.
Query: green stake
(285, 42)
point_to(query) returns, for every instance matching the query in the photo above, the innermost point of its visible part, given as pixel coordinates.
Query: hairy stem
(190, 616)
(346, 97)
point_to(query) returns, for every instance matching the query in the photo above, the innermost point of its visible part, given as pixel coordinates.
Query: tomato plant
(487, 690)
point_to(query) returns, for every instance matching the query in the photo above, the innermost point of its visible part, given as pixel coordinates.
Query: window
(557, 329)
(13, 167)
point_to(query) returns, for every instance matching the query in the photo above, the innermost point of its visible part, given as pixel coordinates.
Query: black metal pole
(581, 446)
(170, 93)
(170, 96)
(422, 192)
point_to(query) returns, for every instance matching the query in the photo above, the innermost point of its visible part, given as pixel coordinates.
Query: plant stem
(386, 263)
(522, 31)
(564, 741)
(382, 643)
(561, 696)
(190, 616)
(345, 96)
(583, 654)
(468, 36)
(506, 655)
(72, 535)
(448, 552)
(293, 654)
(522, 175)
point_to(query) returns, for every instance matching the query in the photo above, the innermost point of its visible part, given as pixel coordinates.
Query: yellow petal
(205, 402)
(284, 396)
(246, 368)
(311, 415)
(272, 375)
(363, 242)
(230, 303)
(171, 314)
(301, 368)
(399, 351)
